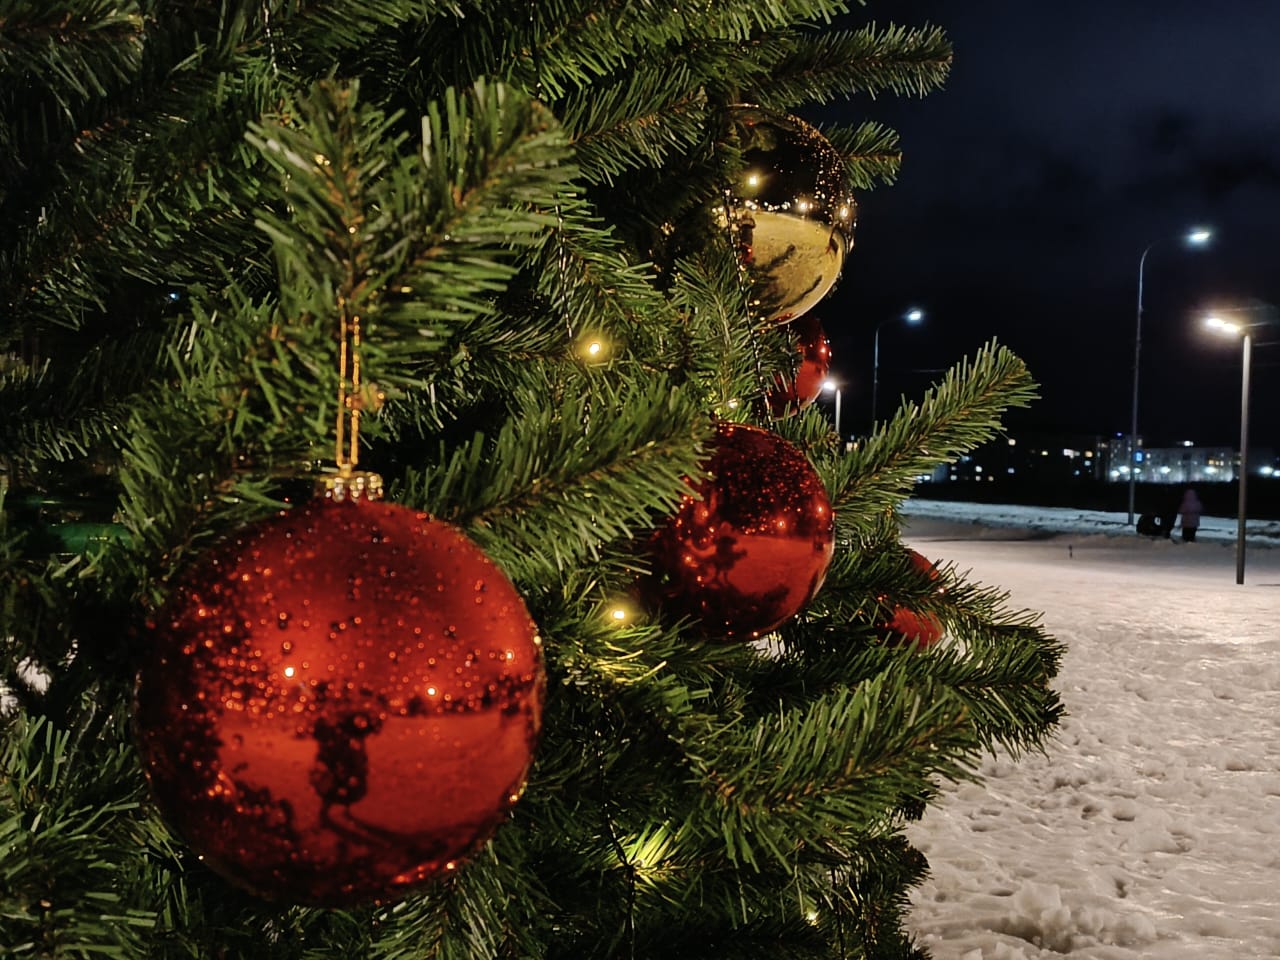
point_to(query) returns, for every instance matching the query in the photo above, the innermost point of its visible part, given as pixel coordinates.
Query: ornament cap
(349, 484)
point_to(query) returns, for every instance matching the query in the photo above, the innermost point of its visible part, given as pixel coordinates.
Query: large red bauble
(340, 703)
(801, 390)
(910, 626)
(754, 549)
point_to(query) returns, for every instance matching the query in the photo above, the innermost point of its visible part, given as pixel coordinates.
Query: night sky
(1069, 137)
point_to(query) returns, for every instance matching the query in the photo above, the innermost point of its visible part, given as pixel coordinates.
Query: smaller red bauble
(753, 547)
(909, 626)
(815, 363)
(339, 703)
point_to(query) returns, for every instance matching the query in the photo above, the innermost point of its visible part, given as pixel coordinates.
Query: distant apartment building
(1065, 458)
(1186, 463)
(1029, 457)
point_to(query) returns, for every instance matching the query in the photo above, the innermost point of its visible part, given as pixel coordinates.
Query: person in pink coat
(1189, 514)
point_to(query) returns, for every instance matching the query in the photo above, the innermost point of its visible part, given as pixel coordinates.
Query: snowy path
(1152, 828)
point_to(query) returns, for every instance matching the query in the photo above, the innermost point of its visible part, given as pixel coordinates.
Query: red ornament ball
(754, 549)
(340, 703)
(801, 390)
(910, 626)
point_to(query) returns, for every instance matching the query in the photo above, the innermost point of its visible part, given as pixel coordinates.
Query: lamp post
(912, 316)
(1196, 237)
(830, 386)
(1242, 330)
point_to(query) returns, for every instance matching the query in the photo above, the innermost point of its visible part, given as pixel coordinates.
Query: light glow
(594, 348)
(1215, 322)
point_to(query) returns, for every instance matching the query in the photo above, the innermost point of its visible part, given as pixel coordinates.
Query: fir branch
(69, 406)
(903, 60)
(322, 31)
(592, 286)
(557, 483)
(997, 661)
(488, 909)
(71, 50)
(872, 153)
(718, 344)
(416, 244)
(116, 196)
(838, 764)
(73, 854)
(622, 127)
(580, 42)
(955, 416)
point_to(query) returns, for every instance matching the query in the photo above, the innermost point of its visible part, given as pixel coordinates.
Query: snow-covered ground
(1151, 827)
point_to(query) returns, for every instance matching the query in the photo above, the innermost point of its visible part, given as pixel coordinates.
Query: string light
(594, 348)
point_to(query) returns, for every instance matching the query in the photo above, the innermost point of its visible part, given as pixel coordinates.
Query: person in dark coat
(1189, 514)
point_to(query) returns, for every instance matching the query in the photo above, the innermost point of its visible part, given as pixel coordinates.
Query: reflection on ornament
(789, 210)
(340, 703)
(910, 626)
(754, 549)
(801, 390)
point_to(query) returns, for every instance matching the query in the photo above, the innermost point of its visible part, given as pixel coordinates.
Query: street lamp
(912, 316)
(830, 386)
(1196, 237)
(1233, 328)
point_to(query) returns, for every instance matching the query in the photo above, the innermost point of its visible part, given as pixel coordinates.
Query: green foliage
(956, 415)
(514, 203)
(68, 846)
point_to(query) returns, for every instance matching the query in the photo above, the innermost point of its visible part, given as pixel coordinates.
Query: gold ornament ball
(789, 210)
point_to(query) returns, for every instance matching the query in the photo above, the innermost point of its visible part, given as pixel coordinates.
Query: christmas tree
(629, 659)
